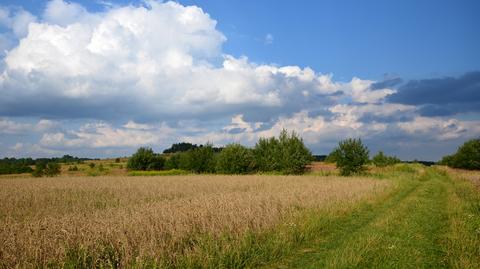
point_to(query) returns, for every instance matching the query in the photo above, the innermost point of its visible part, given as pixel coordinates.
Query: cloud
(13, 127)
(441, 96)
(440, 129)
(17, 20)
(153, 61)
(268, 39)
(103, 135)
(155, 74)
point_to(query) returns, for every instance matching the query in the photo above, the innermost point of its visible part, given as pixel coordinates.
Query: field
(404, 216)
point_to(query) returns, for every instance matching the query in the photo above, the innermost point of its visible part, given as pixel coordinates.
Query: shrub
(294, 155)
(39, 169)
(91, 165)
(199, 160)
(173, 162)
(350, 156)
(145, 159)
(466, 157)
(382, 160)
(235, 159)
(52, 169)
(287, 154)
(73, 168)
(46, 169)
(267, 154)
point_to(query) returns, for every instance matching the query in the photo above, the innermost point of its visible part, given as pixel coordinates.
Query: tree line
(285, 154)
(24, 165)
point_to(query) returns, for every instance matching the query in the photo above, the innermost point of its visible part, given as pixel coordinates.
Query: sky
(102, 78)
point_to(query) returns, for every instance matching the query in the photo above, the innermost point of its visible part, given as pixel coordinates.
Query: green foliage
(466, 157)
(46, 169)
(199, 160)
(267, 154)
(173, 162)
(350, 156)
(235, 159)
(91, 165)
(382, 160)
(145, 159)
(287, 154)
(180, 147)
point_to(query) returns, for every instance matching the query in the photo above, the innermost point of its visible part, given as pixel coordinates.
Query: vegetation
(351, 156)
(198, 221)
(165, 221)
(145, 159)
(235, 159)
(382, 160)
(24, 165)
(199, 160)
(466, 157)
(287, 154)
(46, 169)
(180, 147)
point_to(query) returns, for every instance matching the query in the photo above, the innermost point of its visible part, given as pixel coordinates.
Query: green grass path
(431, 221)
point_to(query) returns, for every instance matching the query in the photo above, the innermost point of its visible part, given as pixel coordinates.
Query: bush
(466, 157)
(199, 160)
(350, 156)
(173, 162)
(287, 154)
(145, 159)
(382, 160)
(52, 169)
(235, 159)
(46, 169)
(73, 168)
(267, 154)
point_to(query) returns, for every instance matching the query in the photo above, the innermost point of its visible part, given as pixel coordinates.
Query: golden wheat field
(43, 219)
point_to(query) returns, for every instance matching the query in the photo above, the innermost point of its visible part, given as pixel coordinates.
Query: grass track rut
(404, 230)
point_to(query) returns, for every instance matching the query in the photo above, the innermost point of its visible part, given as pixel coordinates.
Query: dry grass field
(121, 221)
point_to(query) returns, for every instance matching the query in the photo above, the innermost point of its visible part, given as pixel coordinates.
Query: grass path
(432, 221)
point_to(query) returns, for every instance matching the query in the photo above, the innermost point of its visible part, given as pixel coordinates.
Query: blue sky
(79, 77)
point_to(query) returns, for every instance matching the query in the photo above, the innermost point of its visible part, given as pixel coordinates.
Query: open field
(404, 216)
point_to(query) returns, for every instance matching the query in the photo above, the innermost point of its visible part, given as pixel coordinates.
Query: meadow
(394, 217)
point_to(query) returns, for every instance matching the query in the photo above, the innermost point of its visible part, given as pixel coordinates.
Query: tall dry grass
(42, 219)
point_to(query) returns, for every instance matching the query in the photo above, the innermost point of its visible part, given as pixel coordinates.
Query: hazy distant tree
(382, 160)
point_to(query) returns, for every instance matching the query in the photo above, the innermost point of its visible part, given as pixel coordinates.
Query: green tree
(466, 157)
(145, 159)
(235, 159)
(52, 169)
(267, 154)
(49, 169)
(287, 154)
(294, 155)
(350, 156)
(199, 160)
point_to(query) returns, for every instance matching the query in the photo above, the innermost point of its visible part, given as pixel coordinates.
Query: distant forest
(24, 165)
